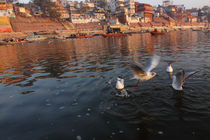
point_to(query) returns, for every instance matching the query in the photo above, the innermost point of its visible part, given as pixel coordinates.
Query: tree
(206, 10)
(48, 8)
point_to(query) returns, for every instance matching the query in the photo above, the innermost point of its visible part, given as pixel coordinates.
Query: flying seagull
(143, 74)
(179, 78)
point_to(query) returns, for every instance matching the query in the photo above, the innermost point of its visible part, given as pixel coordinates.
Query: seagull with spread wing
(143, 74)
(179, 78)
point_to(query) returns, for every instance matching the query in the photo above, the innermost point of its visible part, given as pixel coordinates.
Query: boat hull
(81, 37)
(11, 43)
(157, 33)
(113, 35)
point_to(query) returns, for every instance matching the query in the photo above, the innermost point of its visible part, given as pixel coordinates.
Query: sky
(188, 3)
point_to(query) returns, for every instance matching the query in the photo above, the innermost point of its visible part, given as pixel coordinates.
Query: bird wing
(179, 80)
(153, 63)
(137, 68)
(189, 74)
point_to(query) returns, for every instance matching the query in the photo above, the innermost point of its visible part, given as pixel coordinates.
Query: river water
(58, 90)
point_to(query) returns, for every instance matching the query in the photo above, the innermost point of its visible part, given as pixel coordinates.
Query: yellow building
(3, 4)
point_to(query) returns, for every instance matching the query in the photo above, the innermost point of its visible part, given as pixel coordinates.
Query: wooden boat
(84, 36)
(196, 29)
(61, 37)
(10, 43)
(72, 36)
(113, 35)
(20, 41)
(157, 33)
(207, 31)
(35, 38)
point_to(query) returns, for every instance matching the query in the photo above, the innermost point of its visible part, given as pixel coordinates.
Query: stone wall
(89, 26)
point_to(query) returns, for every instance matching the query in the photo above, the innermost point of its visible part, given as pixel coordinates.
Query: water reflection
(53, 60)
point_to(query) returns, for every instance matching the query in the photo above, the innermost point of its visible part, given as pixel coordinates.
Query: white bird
(120, 83)
(169, 68)
(179, 78)
(143, 74)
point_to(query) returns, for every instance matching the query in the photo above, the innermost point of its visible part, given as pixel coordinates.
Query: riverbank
(56, 33)
(50, 29)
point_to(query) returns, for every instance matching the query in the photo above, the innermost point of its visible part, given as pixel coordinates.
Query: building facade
(3, 8)
(145, 11)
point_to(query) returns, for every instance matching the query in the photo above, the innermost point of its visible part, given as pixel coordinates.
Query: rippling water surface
(59, 90)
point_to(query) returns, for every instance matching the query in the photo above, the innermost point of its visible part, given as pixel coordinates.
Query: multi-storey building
(64, 14)
(100, 3)
(130, 5)
(166, 3)
(3, 8)
(119, 6)
(10, 10)
(86, 18)
(145, 11)
(73, 6)
(89, 6)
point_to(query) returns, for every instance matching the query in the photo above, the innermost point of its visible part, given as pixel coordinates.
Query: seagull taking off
(179, 78)
(143, 74)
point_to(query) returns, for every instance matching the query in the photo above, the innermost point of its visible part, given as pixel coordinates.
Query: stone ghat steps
(21, 24)
(68, 25)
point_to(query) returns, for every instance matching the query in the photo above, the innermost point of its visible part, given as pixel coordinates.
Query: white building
(118, 6)
(130, 5)
(64, 3)
(84, 18)
(166, 3)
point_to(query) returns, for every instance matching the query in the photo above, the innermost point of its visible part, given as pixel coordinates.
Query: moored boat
(84, 36)
(157, 33)
(113, 35)
(207, 31)
(35, 38)
(72, 36)
(12, 42)
(196, 29)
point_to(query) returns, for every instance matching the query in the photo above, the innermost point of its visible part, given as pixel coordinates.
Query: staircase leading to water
(68, 25)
